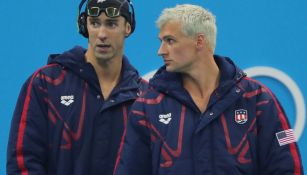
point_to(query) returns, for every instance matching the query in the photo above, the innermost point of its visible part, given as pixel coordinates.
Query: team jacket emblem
(165, 118)
(67, 99)
(241, 116)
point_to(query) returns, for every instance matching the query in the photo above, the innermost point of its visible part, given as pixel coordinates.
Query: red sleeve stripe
(52, 117)
(54, 82)
(285, 126)
(281, 115)
(262, 102)
(241, 156)
(230, 149)
(168, 160)
(138, 112)
(151, 101)
(75, 135)
(43, 89)
(253, 93)
(23, 123)
(125, 115)
(174, 152)
(67, 139)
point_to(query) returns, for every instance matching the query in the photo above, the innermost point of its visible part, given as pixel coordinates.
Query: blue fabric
(167, 133)
(62, 124)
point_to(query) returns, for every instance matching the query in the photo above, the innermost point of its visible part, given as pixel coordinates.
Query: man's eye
(170, 40)
(95, 24)
(111, 24)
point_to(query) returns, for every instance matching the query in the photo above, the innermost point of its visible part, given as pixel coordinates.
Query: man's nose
(103, 34)
(162, 49)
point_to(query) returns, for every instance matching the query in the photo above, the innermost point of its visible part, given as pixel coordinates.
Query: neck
(203, 78)
(107, 69)
(201, 81)
(108, 73)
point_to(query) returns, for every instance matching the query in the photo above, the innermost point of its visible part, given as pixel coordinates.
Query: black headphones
(82, 19)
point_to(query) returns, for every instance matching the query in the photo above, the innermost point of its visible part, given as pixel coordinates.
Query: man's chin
(169, 69)
(103, 58)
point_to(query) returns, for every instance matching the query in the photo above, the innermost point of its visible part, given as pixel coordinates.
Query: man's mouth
(103, 47)
(166, 61)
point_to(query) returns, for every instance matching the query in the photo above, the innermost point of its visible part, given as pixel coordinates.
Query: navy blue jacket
(242, 132)
(62, 125)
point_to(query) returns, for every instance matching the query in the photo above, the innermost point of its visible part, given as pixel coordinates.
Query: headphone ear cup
(132, 17)
(133, 23)
(82, 25)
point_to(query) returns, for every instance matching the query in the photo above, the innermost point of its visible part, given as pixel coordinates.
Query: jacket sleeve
(278, 153)
(27, 145)
(135, 158)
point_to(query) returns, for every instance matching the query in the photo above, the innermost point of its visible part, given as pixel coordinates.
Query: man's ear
(127, 29)
(200, 41)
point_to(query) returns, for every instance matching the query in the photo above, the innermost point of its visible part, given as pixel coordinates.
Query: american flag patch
(241, 116)
(285, 137)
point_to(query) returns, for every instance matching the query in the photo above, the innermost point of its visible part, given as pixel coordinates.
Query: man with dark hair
(71, 114)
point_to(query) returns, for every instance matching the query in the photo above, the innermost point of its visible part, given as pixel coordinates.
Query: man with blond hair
(201, 114)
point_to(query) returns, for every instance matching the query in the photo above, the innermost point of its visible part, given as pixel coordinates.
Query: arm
(135, 158)
(276, 157)
(27, 146)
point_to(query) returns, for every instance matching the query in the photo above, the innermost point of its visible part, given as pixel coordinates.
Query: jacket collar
(171, 83)
(74, 60)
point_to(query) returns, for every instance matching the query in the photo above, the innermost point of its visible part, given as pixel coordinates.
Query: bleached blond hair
(194, 20)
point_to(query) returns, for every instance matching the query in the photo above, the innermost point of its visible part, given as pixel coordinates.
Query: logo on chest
(241, 116)
(67, 99)
(165, 118)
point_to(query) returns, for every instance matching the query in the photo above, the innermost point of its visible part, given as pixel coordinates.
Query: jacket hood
(74, 60)
(71, 58)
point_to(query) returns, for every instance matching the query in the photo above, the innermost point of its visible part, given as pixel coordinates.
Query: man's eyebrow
(108, 19)
(163, 37)
(93, 18)
(112, 20)
(167, 37)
